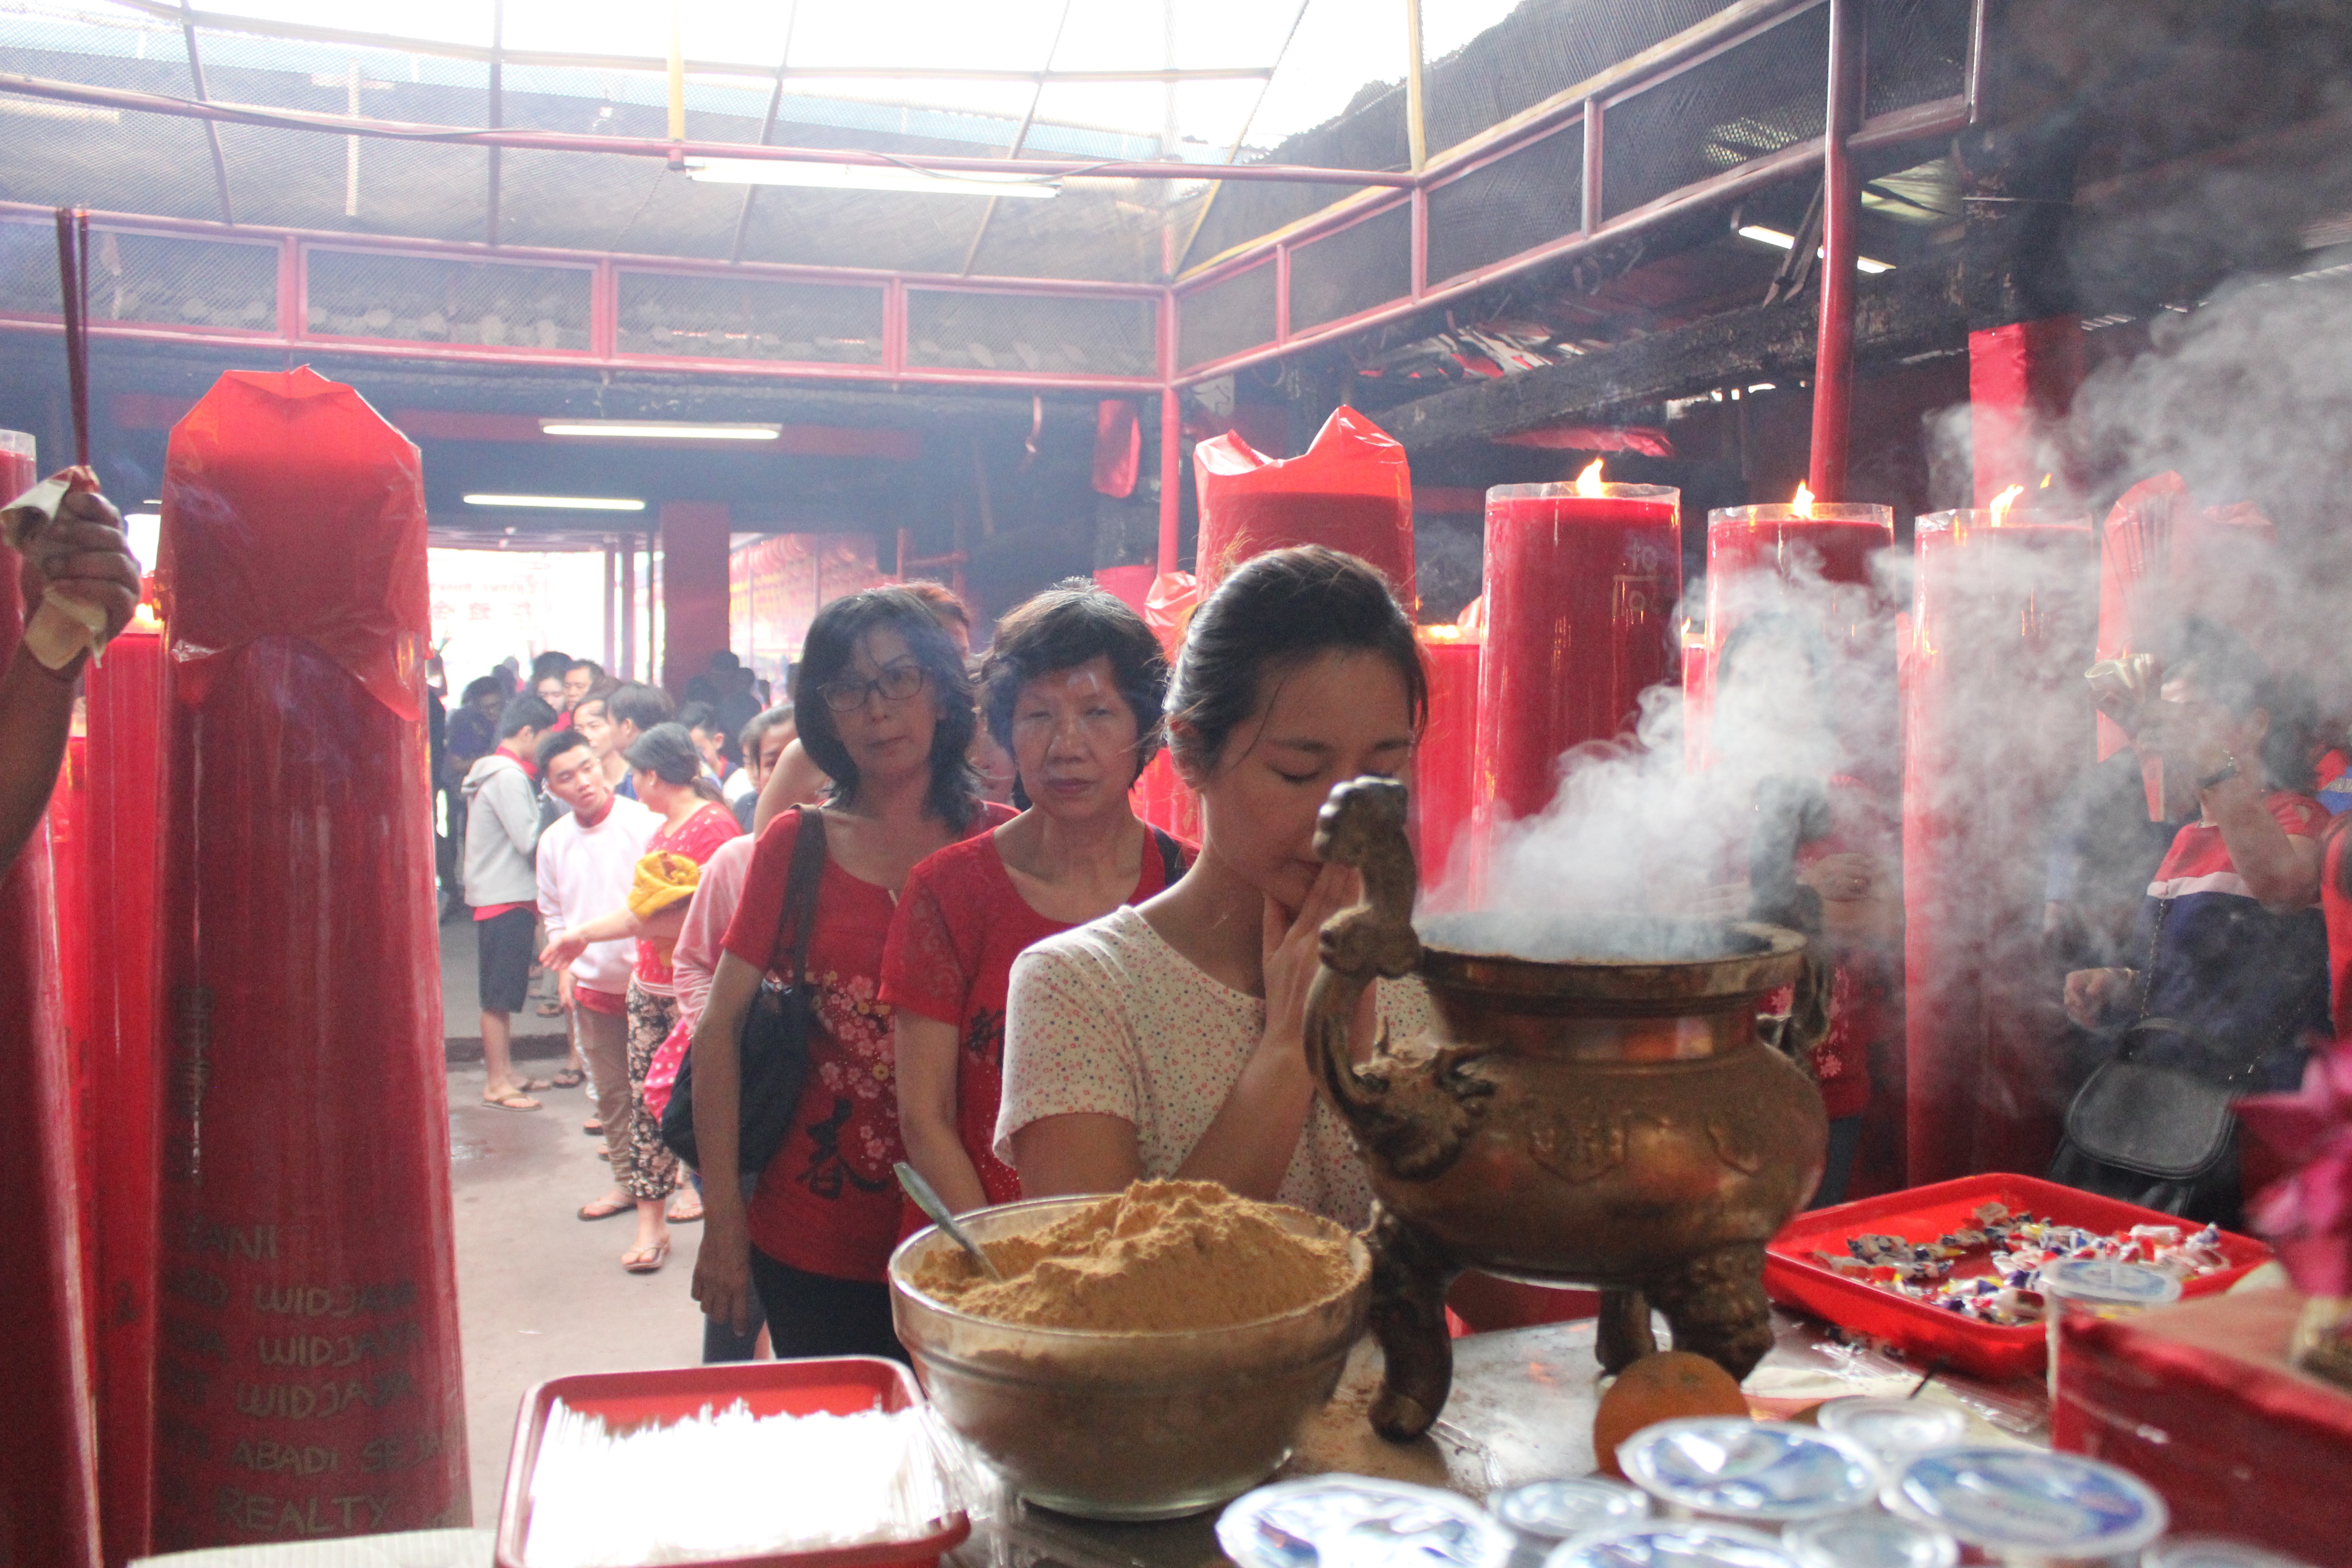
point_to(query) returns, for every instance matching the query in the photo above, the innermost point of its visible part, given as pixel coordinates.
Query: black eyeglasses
(896, 684)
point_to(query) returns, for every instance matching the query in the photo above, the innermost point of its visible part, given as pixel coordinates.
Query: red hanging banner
(308, 1383)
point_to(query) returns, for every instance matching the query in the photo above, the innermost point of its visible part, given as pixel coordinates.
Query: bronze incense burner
(1601, 1109)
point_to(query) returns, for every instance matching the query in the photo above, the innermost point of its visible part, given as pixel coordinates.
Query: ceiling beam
(167, 10)
(1908, 312)
(665, 148)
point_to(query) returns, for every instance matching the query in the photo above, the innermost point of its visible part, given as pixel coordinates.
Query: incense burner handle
(1412, 1107)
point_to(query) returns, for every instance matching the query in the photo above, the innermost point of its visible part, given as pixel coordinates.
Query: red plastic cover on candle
(307, 1379)
(326, 542)
(1351, 490)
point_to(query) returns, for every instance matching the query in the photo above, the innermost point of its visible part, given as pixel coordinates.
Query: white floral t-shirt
(1107, 1018)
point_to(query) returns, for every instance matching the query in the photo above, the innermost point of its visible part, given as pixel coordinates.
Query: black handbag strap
(801, 887)
(1172, 856)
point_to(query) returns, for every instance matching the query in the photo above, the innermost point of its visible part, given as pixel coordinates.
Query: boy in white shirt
(587, 860)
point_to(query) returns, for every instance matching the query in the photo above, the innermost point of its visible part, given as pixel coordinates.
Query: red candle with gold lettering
(1997, 722)
(1582, 582)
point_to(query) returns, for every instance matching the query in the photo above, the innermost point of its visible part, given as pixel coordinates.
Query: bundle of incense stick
(729, 1485)
(63, 627)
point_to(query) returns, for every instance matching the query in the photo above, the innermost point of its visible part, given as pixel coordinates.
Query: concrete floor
(540, 1293)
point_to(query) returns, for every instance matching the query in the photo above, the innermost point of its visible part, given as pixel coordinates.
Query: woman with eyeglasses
(885, 709)
(1071, 689)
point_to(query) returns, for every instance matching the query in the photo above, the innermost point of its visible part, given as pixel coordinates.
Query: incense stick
(73, 290)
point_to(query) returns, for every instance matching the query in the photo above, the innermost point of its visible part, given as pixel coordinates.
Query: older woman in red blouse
(1073, 686)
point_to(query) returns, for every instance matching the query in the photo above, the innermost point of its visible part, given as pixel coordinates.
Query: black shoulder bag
(1171, 858)
(2159, 1122)
(774, 1042)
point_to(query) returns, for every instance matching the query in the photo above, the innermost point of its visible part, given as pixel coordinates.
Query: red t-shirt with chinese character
(828, 1201)
(960, 923)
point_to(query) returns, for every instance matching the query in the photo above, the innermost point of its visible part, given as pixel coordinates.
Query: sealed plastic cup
(1870, 1539)
(1542, 1514)
(2024, 1505)
(1751, 1472)
(1892, 1430)
(2212, 1552)
(1358, 1521)
(2099, 1288)
(1672, 1545)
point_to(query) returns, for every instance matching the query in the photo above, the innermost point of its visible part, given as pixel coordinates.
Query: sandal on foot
(682, 1215)
(593, 1128)
(606, 1208)
(533, 1085)
(646, 1259)
(570, 1078)
(512, 1099)
(551, 1009)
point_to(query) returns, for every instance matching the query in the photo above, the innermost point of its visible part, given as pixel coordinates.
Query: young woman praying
(885, 710)
(1072, 690)
(1167, 1039)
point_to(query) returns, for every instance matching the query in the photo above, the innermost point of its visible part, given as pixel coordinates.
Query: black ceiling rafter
(767, 128)
(1020, 140)
(187, 16)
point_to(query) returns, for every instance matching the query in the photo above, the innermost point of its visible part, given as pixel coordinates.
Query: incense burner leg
(1717, 1309)
(1410, 1276)
(1623, 1336)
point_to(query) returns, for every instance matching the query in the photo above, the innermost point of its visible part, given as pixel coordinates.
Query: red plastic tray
(838, 1385)
(1922, 1213)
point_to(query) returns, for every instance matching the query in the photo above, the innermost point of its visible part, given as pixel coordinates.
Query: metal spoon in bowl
(937, 1213)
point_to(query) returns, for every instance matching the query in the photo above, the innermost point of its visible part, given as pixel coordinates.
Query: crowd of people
(1011, 982)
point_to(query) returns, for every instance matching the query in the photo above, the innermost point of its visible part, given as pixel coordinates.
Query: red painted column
(1840, 215)
(48, 1460)
(693, 535)
(2022, 380)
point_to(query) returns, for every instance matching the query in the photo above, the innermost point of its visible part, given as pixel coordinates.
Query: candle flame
(1587, 483)
(2045, 481)
(2002, 502)
(1802, 503)
(143, 620)
(1442, 632)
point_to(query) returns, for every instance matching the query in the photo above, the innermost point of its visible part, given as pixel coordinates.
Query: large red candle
(308, 1380)
(1351, 490)
(1581, 584)
(1443, 781)
(1997, 720)
(48, 1457)
(125, 802)
(1760, 559)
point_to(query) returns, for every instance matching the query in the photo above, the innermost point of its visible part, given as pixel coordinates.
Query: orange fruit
(1660, 1388)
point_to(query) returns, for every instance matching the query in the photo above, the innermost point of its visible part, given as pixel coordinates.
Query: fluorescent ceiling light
(865, 177)
(622, 429)
(1778, 241)
(560, 503)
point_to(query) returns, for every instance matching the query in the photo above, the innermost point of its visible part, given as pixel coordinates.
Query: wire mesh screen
(1366, 264)
(948, 329)
(743, 318)
(355, 294)
(1542, 47)
(305, 180)
(1511, 205)
(1228, 317)
(1758, 98)
(1919, 53)
(63, 154)
(156, 279)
